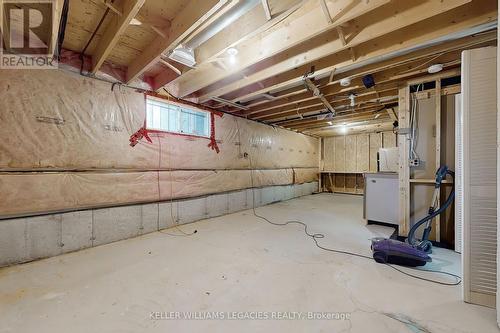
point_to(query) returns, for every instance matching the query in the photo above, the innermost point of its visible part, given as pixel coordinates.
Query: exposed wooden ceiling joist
(368, 97)
(267, 9)
(357, 114)
(193, 15)
(284, 35)
(58, 7)
(249, 25)
(377, 23)
(432, 29)
(391, 68)
(322, 119)
(113, 32)
(278, 41)
(374, 126)
(271, 119)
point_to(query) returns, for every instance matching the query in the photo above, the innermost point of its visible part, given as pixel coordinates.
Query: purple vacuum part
(391, 251)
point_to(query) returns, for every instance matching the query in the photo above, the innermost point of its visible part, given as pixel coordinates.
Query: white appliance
(381, 198)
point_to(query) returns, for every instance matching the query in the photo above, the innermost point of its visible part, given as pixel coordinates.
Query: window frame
(181, 106)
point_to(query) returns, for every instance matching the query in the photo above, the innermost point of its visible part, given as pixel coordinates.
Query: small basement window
(168, 117)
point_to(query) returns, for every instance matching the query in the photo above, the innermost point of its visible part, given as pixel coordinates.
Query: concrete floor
(238, 263)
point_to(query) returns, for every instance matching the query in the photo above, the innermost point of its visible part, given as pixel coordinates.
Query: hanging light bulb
(343, 128)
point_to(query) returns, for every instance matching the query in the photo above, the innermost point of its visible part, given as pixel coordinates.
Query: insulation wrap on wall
(64, 145)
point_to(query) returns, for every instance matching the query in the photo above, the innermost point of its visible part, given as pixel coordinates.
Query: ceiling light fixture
(435, 68)
(343, 128)
(232, 51)
(135, 21)
(183, 55)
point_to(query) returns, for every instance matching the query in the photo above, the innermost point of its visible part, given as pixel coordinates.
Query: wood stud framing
(267, 10)
(405, 181)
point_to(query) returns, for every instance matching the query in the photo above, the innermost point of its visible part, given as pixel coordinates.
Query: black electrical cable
(182, 232)
(82, 53)
(317, 236)
(62, 28)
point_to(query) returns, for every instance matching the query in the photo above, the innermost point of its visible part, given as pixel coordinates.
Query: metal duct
(243, 7)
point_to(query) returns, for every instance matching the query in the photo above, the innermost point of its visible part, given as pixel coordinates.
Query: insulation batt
(64, 144)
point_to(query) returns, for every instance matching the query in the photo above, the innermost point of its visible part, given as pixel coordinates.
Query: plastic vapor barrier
(64, 145)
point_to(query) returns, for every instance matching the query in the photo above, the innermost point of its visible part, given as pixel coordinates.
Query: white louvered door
(459, 197)
(479, 110)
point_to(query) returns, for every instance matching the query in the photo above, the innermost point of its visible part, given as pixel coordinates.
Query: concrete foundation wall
(30, 238)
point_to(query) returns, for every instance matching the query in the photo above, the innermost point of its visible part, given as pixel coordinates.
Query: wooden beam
(344, 102)
(194, 14)
(113, 7)
(369, 128)
(291, 78)
(288, 33)
(392, 114)
(172, 67)
(114, 30)
(437, 90)
(56, 20)
(314, 110)
(404, 168)
(355, 115)
(340, 32)
(386, 80)
(353, 123)
(249, 25)
(163, 76)
(267, 10)
(5, 31)
(326, 54)
(383, 71)
(326, 12)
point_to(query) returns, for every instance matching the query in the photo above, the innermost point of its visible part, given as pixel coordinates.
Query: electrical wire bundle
(414, 125)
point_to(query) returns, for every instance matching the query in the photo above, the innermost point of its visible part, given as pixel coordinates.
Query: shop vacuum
(414, 252)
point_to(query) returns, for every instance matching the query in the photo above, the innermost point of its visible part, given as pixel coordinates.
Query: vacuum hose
(440, 175)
